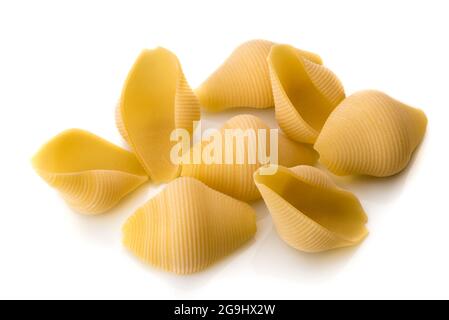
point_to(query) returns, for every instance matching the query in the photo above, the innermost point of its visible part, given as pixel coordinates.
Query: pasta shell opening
(305, 93)
(156, 99)
(310, 213)
(91, 173)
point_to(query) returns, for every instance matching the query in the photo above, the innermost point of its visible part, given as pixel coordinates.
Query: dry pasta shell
(188, 226)
(309, 211)
(243, 80)
(236, 179)
(305, 93)
(156, 99)
(370, 133)
(91, 174)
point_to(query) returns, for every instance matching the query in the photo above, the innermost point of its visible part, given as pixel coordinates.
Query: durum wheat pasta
(309, 211)
(199, 218)
(370, 133)
(188, 226)
(243, 80)
(90, 173)
(236, 179)
(305, 93)
(156, 99)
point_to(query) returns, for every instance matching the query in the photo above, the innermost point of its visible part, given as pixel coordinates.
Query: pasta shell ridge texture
(156, 99)
(370, 133)
(310, 212)
(236, 179)
(243, 79)
(91, 174)
(305, 93)
(188, 226)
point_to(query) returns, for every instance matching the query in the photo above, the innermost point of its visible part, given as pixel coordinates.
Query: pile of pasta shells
(203, 213)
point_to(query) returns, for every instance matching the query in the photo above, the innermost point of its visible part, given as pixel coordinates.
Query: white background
(62, 65)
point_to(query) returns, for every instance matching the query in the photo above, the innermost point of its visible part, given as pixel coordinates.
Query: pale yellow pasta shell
(243, 80)
(309, 211)
(156, 99)
(370, 133)
(236, 179)
(305, 93)
(91, 174)
(188, 226)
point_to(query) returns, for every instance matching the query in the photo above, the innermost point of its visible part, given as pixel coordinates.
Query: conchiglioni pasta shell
(156, 99)
(305, 93)
(370, 133)
(309, 211)
(243, 80)
(188, 226)
(236, 179)
(91, 174)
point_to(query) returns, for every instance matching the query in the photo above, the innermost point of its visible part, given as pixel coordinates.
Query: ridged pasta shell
(305, 93)
(156, 99)
(237, 180)
(188, 226)
(370, 133)
(91, 174)
(309, 211)
(243, 80)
